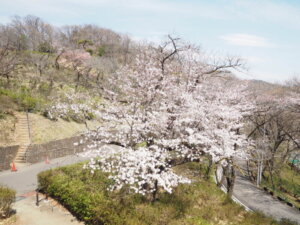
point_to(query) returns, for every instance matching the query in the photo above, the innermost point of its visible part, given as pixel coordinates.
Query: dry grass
(45, 130)
(7, 130)
(42, 129)
(9, 221)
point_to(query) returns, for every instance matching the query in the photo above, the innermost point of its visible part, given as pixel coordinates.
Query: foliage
(23, 98)
(86, 196)
(78, 107)
(7, 197)
(45, 47)
(101, 51)
(85, 42)
(287, 184)
(89, 50)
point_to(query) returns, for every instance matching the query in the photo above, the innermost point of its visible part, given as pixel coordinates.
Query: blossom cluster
(72, 107)
(143, 170)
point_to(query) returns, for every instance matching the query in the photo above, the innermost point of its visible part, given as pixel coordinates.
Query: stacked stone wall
(54, 149)
(7, 155)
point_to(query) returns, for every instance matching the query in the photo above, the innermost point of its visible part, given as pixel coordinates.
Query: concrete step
(22, 133)
(21, 164)
(20, 159)
(24, 146)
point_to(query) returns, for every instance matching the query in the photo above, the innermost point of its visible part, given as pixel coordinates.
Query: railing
(29, 130)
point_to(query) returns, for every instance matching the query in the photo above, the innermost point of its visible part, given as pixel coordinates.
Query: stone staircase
(22, 138)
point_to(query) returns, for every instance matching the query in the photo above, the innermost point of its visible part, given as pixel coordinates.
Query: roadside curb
(265, 189)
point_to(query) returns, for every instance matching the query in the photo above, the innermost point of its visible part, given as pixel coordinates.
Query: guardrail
(28, 125)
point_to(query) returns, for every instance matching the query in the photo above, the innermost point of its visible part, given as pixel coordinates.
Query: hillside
(148, 112)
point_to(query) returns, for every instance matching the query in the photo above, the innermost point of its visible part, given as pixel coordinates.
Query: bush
(86, 196)
(101, 51)
(79, 192)
(23, 98)
(45, 47)
(287, 222)
(7, 197)
(89, 50)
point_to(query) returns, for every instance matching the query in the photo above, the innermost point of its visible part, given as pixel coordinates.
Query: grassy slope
(45, 130)
(7, 125)
(287, 185)
(200, 203)
(42, 129)
(9, 221)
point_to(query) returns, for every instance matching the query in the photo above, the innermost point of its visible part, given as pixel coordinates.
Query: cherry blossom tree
(77, 61)
(158, 111)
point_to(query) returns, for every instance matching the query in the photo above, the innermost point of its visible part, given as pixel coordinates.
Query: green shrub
(287, 222)
(7, 197)
(22, 98)
(45, 47)
(101, 51)
(89, 50)
(86, 196)
(2, 115)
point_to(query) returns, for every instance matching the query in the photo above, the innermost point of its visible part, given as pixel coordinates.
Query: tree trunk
(209, 167)
(271, 174)
(222, 178)
(230, 178)
(154, 194)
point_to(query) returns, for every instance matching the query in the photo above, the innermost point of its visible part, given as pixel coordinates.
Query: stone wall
(7, 155)
(54, 149)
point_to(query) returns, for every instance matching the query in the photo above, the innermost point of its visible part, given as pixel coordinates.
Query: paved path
(25, 179)
(47, 213)
(257, 200)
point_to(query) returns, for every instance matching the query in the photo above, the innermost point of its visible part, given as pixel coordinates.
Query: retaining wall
(7, 155)
(54, 149)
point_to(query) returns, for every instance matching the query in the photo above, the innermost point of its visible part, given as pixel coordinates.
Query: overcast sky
(264, 32)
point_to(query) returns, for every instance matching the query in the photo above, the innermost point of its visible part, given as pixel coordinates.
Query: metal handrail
(28, 124)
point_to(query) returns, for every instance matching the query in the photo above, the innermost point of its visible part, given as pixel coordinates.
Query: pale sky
(264, 32)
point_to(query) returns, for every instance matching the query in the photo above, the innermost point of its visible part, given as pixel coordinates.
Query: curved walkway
(25, 179)
(257, 200)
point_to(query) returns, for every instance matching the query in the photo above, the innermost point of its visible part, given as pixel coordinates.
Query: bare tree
(8, 60)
